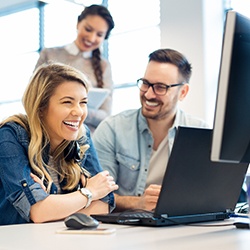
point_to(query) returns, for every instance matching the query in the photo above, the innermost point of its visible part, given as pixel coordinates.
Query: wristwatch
(85, 192)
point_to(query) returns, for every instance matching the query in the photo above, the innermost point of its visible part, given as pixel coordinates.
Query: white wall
(195, 28)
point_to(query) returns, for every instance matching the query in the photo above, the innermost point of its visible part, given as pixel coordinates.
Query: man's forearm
(126, 202)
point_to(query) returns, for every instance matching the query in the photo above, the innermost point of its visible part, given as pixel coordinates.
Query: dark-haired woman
(94, 25)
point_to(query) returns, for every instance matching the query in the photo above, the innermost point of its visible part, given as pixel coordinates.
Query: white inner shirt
(158, 163)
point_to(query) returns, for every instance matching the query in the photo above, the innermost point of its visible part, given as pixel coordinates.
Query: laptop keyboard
(136, 215)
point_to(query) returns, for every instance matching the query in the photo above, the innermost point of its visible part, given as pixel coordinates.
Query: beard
(161, 112)
(160, 115)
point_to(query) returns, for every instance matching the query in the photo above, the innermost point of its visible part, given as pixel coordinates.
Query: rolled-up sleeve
(22, 201)
(18, 191)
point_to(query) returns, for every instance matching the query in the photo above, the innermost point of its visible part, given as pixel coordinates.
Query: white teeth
(153, 104)
(72, 124)
(88, 43)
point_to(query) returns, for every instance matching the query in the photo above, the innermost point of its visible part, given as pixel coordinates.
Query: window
(60, 23)
(18, 48)
(136, 34)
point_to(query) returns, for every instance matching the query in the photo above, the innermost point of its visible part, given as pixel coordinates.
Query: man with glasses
(134, 146)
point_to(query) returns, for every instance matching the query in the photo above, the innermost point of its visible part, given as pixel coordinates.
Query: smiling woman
(94, 25)
(47, 156)
(66, 111)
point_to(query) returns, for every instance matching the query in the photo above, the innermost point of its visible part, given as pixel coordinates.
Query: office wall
(195, 28)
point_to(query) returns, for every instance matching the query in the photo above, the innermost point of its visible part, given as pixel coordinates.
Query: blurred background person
(93, 27)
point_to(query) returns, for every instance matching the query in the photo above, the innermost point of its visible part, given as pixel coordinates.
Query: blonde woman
(48, 164)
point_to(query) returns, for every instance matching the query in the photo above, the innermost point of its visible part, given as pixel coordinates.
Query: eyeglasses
(158, 88)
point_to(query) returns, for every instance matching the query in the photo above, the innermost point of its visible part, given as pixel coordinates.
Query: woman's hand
(38, 180)
(100, 185)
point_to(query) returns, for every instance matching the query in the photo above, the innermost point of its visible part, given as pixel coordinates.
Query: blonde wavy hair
(35, 100)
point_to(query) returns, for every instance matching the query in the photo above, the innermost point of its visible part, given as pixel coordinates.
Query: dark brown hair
(176, 58)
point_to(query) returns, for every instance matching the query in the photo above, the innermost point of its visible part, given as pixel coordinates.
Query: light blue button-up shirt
(124, 143)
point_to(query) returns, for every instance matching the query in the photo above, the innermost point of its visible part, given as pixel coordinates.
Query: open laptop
(194, 188)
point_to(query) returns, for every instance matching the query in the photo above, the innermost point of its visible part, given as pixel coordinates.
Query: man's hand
(150, 197)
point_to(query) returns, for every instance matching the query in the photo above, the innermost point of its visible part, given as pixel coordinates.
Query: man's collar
(142, 121)
(176, 119)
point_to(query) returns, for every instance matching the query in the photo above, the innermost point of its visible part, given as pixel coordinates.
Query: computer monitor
(231, 130)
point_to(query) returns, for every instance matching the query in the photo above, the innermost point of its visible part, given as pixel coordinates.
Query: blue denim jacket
(18, 191)
(124, 143)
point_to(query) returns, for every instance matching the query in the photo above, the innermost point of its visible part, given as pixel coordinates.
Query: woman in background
(48, 164)
(93, 26)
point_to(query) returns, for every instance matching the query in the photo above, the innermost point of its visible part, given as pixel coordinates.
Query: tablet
(96, 97)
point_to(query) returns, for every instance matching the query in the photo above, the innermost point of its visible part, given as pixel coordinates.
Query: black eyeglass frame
(167, 86)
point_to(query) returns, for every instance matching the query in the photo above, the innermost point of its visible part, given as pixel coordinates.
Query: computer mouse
(80, 221)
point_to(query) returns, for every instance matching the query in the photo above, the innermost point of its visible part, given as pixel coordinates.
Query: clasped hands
(99, 185)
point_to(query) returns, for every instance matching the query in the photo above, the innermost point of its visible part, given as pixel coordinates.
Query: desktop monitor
(231, 131)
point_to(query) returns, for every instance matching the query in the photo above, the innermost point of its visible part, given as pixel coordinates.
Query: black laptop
(194, 188)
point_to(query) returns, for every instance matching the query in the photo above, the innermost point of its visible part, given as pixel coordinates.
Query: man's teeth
(153, 104)
(72, 124)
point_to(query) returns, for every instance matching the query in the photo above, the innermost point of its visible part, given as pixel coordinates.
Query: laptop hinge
(229, 211)
(165, 216)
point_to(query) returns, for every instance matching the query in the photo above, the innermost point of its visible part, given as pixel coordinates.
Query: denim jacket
(18, 191)
(124, 143)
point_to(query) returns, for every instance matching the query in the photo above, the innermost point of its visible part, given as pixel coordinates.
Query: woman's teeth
(72, 124)
(87, 43)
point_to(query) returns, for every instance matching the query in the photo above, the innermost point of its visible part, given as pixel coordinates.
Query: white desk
(43, 236)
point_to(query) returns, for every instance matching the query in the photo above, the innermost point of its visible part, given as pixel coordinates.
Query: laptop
(194, 188)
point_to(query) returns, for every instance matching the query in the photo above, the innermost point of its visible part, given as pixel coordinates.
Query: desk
(43, 236)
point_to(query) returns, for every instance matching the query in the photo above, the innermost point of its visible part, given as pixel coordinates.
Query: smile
(72, 124)
(87, 43)
(152, 104)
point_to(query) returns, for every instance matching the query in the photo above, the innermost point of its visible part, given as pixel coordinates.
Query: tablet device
(96, 97)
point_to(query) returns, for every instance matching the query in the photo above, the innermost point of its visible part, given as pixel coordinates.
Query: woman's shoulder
(14, 129)
(13, 126)
(53, 49)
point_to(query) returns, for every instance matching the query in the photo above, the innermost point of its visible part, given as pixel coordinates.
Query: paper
(96, 97)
